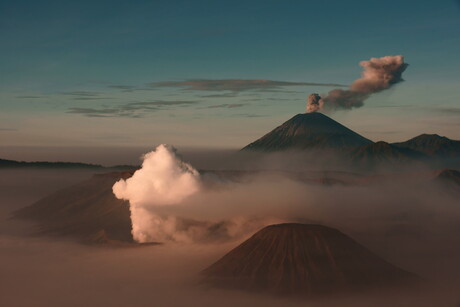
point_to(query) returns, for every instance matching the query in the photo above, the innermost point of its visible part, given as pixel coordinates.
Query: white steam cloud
(157, 195)
(163, 180)
(378, 74)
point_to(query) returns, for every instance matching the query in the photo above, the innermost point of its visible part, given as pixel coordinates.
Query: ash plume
(378, 74)
(314, 103)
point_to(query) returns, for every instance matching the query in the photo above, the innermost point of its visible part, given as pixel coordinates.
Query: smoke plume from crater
(378, 74)
(314, 103)
(163, 180)
(160, 200)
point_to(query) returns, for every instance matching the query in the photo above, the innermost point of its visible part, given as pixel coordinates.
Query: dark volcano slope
(441, 152)
(308, 131)
(88, 211)
(382, 153)
(433, 145)
(302, 259)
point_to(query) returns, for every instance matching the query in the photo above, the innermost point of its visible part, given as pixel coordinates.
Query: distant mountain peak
(308, 131)
(427, 136)
(432, 145)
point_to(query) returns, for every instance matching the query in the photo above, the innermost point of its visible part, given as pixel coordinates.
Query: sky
(91, 74)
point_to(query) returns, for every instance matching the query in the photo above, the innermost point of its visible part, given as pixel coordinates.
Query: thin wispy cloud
(249, 115)
(130, 88)
(281, 90)
(132, 109)
(451, 110)
(81, 93)
(73, 95)
(84, 95)
(90, 98)
(29, 96)
(235, 85)
(226, 105)
(269, 99)
(454, 111)
(105, 112)
(225, 95)
(162, 103)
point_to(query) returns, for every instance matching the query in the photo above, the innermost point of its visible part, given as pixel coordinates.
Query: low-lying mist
(411, 220)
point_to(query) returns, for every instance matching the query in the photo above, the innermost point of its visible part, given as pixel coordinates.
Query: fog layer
(412, 223)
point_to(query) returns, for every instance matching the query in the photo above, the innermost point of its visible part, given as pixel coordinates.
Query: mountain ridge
(5, 163)
(432, 145)
(383, 152)
(332, 141)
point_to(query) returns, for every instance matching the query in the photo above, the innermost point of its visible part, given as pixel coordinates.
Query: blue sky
(88, 73)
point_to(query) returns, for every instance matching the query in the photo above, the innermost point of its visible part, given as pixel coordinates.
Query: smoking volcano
(378, 74)
(308, 131)
(302, 259)
(326, 139)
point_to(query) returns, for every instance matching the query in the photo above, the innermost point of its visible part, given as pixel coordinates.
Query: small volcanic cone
(302, 259)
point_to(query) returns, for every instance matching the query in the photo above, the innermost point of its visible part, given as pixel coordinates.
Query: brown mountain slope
(84, 211)
(301, 259)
